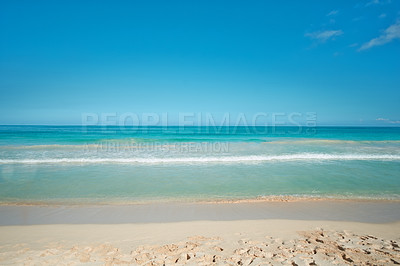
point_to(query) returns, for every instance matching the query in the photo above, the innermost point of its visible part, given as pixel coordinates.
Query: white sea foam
(222, 159)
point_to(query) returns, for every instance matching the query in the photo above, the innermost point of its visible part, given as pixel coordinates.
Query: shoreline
(334, 210)
(85, 203)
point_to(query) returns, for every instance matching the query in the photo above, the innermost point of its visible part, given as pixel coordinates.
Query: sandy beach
(250, 242)
(203, 234)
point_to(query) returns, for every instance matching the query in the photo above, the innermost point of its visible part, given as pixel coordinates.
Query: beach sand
(231, 240)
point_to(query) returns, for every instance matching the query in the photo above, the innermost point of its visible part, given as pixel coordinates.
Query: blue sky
(340, 59)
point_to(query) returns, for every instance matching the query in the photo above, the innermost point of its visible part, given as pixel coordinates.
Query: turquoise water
(74, 164)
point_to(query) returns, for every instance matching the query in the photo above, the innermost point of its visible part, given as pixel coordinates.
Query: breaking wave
(222, 159)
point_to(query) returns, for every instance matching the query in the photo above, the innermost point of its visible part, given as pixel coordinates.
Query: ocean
(119, 165)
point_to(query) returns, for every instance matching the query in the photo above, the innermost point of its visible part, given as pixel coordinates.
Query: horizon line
(174, 125)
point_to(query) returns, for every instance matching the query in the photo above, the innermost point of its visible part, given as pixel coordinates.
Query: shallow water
(118, 165)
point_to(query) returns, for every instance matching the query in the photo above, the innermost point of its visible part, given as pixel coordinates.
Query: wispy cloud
(386, 120)
(323, 36)
(332, 13)
(377, 2)
(383, 15)
(372, 2)
(388, 35)
(358, 18)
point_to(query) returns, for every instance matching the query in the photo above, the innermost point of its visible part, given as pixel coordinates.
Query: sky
(337, 59)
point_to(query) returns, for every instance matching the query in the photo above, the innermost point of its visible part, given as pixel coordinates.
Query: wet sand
(334, 210)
